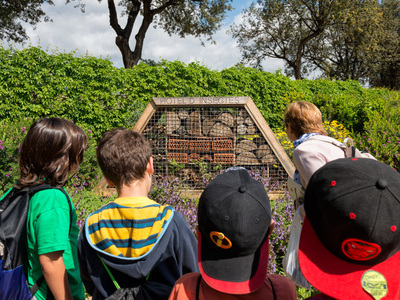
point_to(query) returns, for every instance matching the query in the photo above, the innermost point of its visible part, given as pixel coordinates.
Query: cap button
(242, 189)
(381, 184)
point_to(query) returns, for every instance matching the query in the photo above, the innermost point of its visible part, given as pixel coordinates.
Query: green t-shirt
(48, 225)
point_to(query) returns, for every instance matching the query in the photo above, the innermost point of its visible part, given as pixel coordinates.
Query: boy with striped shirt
(133, 239)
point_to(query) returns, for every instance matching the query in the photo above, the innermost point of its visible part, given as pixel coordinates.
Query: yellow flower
(336, 130)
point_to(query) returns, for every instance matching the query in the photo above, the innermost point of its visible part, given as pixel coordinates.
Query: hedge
(97, 96)
(92, 91)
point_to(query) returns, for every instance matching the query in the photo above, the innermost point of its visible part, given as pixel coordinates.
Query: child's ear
(150, 167)
(109, 182)
(289, 129)
(271, 227)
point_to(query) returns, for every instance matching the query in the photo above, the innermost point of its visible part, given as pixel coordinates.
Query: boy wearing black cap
(234, 226)
(350, 240)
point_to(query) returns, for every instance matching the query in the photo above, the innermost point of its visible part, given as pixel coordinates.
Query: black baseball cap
(350, 240)
(234, 217)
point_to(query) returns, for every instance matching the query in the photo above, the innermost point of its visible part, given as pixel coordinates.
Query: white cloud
(91, 33)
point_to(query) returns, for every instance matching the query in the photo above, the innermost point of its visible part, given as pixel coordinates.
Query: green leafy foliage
(342, 39)
(282, 29)
(85, 90)
(267, 90)
(98, 97)
(11, 138)
(344, 101)
(382, 135)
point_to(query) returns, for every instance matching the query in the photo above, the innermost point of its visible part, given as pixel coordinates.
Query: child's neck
(139, 188)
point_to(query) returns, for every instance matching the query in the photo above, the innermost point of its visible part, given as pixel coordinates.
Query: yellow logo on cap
(220, 240)
(375, 284)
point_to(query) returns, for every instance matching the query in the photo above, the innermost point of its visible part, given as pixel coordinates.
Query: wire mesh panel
(193, 143)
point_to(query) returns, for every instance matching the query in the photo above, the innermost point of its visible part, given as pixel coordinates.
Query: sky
(90, 33)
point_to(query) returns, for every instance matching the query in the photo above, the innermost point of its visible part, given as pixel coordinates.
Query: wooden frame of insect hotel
(197, 137)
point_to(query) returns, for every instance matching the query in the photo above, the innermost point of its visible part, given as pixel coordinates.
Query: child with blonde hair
(303, 122)
(312, 150)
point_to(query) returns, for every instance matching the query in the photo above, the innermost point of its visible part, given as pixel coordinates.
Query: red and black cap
(234, 218)
(350, 240)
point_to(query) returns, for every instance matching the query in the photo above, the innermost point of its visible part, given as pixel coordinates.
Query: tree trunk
(300, 49)
(129, 57)
(297, 69)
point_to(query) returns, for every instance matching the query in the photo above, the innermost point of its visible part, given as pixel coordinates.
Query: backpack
(13, 254)
(352, 151)
(348, 146)
(143, 289)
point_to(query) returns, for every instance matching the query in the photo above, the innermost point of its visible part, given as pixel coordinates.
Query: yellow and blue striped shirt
(129, 227)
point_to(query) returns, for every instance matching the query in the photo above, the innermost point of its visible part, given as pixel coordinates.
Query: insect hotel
(195, 138)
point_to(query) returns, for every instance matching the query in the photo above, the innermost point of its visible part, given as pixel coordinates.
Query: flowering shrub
(282, 212)
(167, 192)
(86, 202)
(285, 142)
(336, 130)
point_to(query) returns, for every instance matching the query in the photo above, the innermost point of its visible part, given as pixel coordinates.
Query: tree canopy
(338, 39)
(182, 17)
(385, 69)
(13, 12)
(348, 47)
(282, 29)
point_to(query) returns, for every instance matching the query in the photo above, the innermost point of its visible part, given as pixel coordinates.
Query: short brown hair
(123, 156)
(51, 151)
(304, 117)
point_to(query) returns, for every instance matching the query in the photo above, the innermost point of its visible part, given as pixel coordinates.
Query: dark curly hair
(52, 150)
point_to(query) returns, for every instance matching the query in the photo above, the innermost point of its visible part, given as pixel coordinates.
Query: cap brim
(338, 278)
(234, 268)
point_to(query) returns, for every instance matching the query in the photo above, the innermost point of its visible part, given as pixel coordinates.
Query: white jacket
(312, 154)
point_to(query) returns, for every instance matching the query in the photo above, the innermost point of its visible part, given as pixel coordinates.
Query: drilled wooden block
(224, 158)
(200, 145)
(178, 157)
(175, 144)
(222, 144)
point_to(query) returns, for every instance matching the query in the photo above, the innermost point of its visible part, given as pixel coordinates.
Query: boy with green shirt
(49, 230)
(51, 151)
